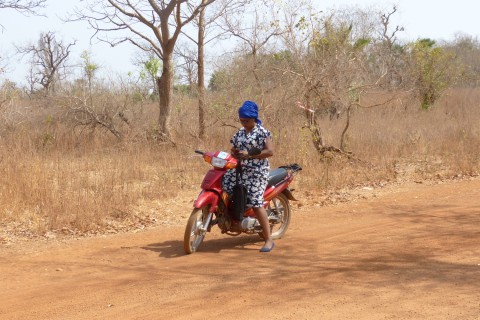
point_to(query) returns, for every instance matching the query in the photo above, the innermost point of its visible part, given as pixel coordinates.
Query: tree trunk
(344, 132)
(165, 89)
(317, 137)
(201, 75)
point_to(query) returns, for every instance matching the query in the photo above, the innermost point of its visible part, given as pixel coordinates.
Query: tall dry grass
(79, 188)
(54, 177)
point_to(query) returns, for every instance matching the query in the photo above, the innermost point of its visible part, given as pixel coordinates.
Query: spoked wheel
(196, 229)
(279, 215)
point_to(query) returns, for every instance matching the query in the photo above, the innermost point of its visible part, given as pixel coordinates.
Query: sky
(435, 19)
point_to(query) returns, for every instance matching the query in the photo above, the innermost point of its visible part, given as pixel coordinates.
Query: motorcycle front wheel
(196, 229)
(279, 215)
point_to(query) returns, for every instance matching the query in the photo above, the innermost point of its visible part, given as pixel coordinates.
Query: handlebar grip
(200, 152)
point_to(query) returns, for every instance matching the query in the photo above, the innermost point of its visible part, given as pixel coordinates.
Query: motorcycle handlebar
(200, 152)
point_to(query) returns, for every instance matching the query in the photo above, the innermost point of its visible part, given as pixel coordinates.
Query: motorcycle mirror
(254, 151)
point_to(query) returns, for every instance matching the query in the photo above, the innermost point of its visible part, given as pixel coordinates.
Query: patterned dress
(254, 171)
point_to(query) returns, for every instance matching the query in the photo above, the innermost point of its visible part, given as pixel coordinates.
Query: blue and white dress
(254, 171)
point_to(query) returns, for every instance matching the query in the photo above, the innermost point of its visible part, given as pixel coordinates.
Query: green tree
(331, 71)
(89, 70)
(218, 80)
(433, 69)
(151, 69)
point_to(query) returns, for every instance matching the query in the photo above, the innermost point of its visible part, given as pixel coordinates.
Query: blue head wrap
(249, 109)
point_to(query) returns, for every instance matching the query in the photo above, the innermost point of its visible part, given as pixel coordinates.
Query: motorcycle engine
(250, 225)
(224, 222)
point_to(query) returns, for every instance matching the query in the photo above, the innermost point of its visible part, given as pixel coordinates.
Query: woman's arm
(267, 150)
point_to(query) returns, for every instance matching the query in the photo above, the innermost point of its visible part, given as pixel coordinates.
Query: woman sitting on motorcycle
(255, 168)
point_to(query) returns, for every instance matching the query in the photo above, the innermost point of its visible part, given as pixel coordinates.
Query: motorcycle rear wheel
(195, 230)
(279, 210)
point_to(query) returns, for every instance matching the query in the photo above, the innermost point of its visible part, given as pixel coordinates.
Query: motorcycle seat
(276, 175)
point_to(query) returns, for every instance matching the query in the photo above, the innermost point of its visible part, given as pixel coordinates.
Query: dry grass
(55, 178)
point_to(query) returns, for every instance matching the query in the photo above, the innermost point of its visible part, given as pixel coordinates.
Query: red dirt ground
(412, 253)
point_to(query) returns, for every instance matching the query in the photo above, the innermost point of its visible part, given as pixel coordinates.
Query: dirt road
(410, 254)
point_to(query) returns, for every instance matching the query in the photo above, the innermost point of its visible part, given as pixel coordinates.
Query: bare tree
(467, 49)
(48, 58)
(391, 49)
(194, 61)
(254, 24)
(149, 25)
(2, 65)
(201, 74)
(109, 109)
(23, 6)
(187, 65)
(87, 116)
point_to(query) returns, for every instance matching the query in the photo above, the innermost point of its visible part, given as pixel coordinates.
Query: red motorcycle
(213, 205)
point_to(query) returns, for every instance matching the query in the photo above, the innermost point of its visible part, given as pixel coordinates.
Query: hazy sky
(436, 19)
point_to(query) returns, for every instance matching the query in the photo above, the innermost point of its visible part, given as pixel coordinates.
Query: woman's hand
(234, 152)
(240, 155)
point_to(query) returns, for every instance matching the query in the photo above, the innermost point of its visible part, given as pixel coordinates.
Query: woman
(255, 168)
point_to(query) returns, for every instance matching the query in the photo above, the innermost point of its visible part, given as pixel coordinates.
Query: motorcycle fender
(288, 193)
(207, 197)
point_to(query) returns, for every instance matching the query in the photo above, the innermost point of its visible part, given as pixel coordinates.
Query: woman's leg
(263, 219)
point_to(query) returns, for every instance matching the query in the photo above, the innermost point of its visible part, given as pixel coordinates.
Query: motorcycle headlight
(219, 163)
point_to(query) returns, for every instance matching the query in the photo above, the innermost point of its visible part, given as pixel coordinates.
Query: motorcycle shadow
(174, 248)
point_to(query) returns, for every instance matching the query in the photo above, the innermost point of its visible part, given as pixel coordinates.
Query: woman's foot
(268, 246)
